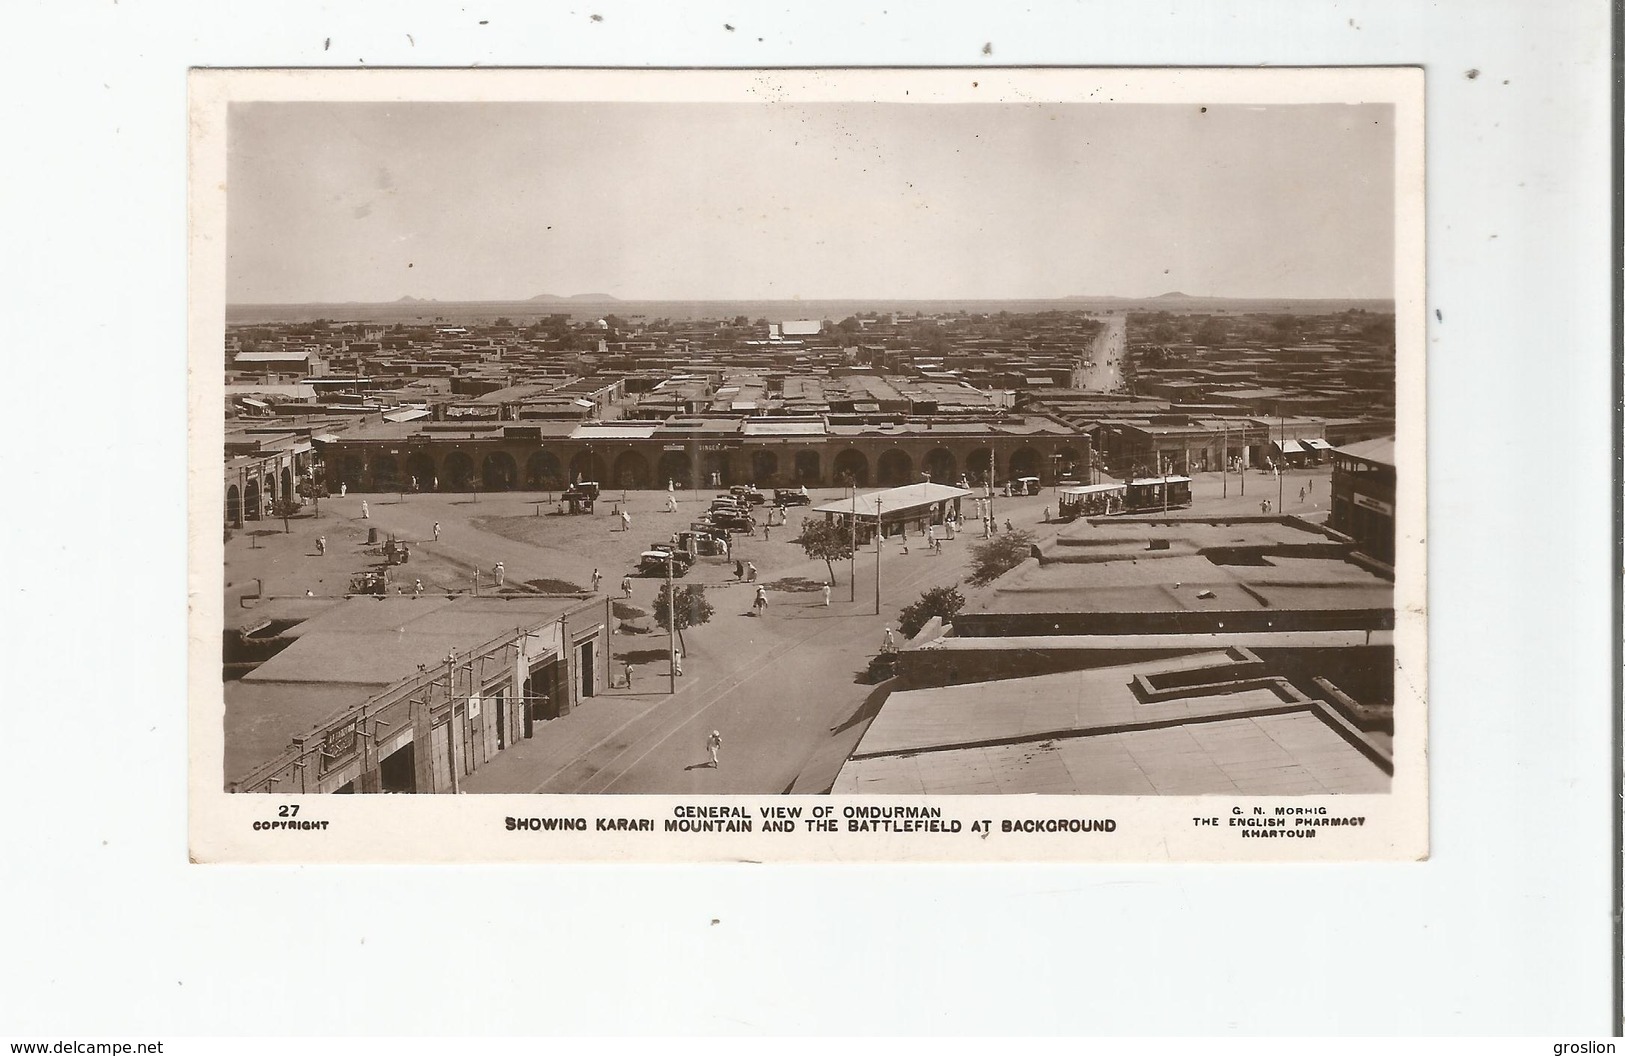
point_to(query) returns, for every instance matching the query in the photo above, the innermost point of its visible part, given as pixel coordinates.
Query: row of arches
(250, 500)
(501, 470)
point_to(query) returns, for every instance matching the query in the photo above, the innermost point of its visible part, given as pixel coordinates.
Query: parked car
(653, 562)
(1022, 486)
(589, 488)
(749, 493)
(733, 521)
(791, 497)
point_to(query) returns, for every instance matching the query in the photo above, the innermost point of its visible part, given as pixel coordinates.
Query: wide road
(1106, 356)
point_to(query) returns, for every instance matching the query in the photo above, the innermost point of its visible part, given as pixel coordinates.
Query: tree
(826, 541)
(991, 559)
(693, 608)
(938, 601)
(503, 321)
(284, 508)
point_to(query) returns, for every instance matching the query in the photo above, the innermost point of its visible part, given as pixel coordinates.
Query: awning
(325, 438)
(1317, 444)
(252, 402)
(1288, 447)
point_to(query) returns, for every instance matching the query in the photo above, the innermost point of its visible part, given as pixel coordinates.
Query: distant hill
(1175, 295)
(590, 298)
(409, 299)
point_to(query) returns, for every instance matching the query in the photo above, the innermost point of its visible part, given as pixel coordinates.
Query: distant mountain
(409, 299)
(1173, 296)
(590, 298)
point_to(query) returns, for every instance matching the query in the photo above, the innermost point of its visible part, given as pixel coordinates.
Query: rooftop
(894, 500)
(1092, 733)
(353, 649)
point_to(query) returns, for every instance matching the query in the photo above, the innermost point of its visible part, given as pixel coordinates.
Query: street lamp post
(880, 531)
(852, 524)
(671, 622)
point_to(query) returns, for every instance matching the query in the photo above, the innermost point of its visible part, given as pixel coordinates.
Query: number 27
(288, 810)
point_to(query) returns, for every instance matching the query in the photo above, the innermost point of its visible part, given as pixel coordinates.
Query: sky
(332, 202)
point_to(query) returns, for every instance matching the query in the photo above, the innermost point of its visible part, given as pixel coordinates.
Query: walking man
(597, 578)
(437, 531)
(713, 745)
(1302, 494)
(499, 572)
(343, 489)
(626, 586)
(366, 514)
(760, 604)
(888, 644)
(826, 594)
(750, 574)
(628, 674)
(417, 588)
(321, 545)
(626, 521)
(677, 662)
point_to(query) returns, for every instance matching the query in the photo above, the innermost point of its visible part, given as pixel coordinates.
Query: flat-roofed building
(403, 694)
(1363, 495)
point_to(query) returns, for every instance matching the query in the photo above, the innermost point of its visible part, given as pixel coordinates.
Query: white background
(104, 928)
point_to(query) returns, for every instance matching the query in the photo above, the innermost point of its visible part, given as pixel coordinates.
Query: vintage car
(749, 493)
(733, 521)
(1022, 486)
(791, 497)
(653, 562)
(588, 487)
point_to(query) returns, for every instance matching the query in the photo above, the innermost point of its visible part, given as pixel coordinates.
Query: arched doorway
(1026, 462)
(764, 468)
(542, 470)
(234, 505)
(718, 470)
(420, 468)
(251, 500)
(588, 466)
(807, 467)
(1071, 464)
(673, 467)
(851, 465)
(894, 468)
(978, 466)
(631, 470)
(939, 462)
(287, 485)
(498, 471)
(385, 473)
(352, 471)
(459, 471)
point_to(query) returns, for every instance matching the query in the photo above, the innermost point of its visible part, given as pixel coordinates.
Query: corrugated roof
(894, 500)
(1379, 450)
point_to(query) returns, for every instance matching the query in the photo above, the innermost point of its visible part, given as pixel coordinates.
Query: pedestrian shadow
(698, 766)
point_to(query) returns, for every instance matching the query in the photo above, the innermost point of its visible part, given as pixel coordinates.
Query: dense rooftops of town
(878, 373)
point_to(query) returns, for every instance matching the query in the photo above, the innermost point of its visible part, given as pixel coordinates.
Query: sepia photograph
(780, 435)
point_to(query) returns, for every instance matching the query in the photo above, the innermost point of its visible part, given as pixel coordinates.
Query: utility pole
(1224, 462)
(451, 721)
(1280, 470)
(671, 622)
(880, 531)
(852, 523)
